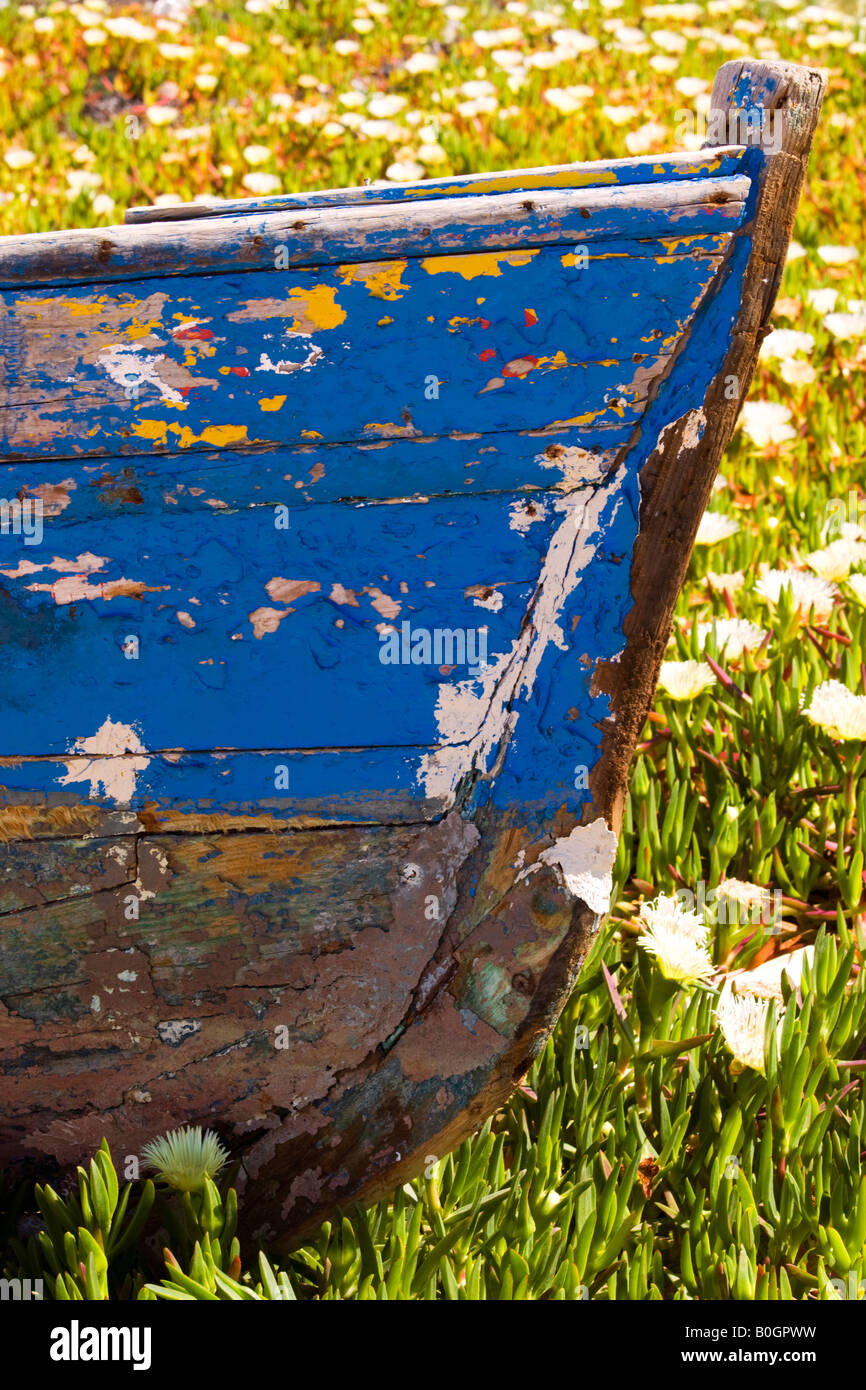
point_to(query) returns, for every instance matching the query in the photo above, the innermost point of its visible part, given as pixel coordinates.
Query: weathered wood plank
(294, 478)
(439, 653)
(720, 163)
(377, 232)
(431, 346)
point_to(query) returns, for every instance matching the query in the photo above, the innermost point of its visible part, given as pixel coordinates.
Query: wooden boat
(363, 518)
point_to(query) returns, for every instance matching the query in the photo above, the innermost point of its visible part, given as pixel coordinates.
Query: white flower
(261, 184)
(838, 255)
(574, 41)
(732, 581)
(186, 1156)
(683, 680)
(765, 981)
(645, 138)
(837, 559)
(257, 154)
(785, 342)
(732, 635)
(667, 39)
(421, 62)
(161, 115)
(382, 130)
(742, 1020)
(660, 62)
(620, 115)
(233, 47)
(845, 326)
(752, 896)
(796, 372)
(838, 711)
(44, 24)
(480, 106)
(489, 38)
(857, 583)
(796, 250)
(103, 205)
(17, 158)
(206, 81)
(94, 37)
(766, 422)
(345, 47)
(691, 86)
(715, 527)
(175, 52)
(678, 939)
(822, 301)
(807, 591)
(125, 27)
(386, 104)
(431, 152)
(404, 171)
(81, 181)
(563, 99)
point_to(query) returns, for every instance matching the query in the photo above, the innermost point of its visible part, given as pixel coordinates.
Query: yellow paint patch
(386, 319)
(218, 435)
(272, 402)
(309, 308)
(518, 182)
(483, 263)
(311, 434)
(384, 279)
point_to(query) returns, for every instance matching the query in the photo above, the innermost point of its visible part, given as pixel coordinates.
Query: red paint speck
(239, 371)
(484, 323)
(183, 334)
(530, 316)
(487, 354)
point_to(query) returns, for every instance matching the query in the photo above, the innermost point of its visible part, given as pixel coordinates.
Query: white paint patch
(109, 761)
(521, 515)
(85, 564)
(483, 596)
(284, 367)
(585, 860)
(475, 717)
(579, 467)
(128, 976)
(693, 428)
(130, 368)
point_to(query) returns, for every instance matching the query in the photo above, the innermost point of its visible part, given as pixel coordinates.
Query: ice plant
(837, 559)
(765, 981)
(766, 422)
(715, 527)
(808, 591)
(732, 635)
(683, 680)
(742, 1019)
(185, 1157)
(678, 939)
(838, 711)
